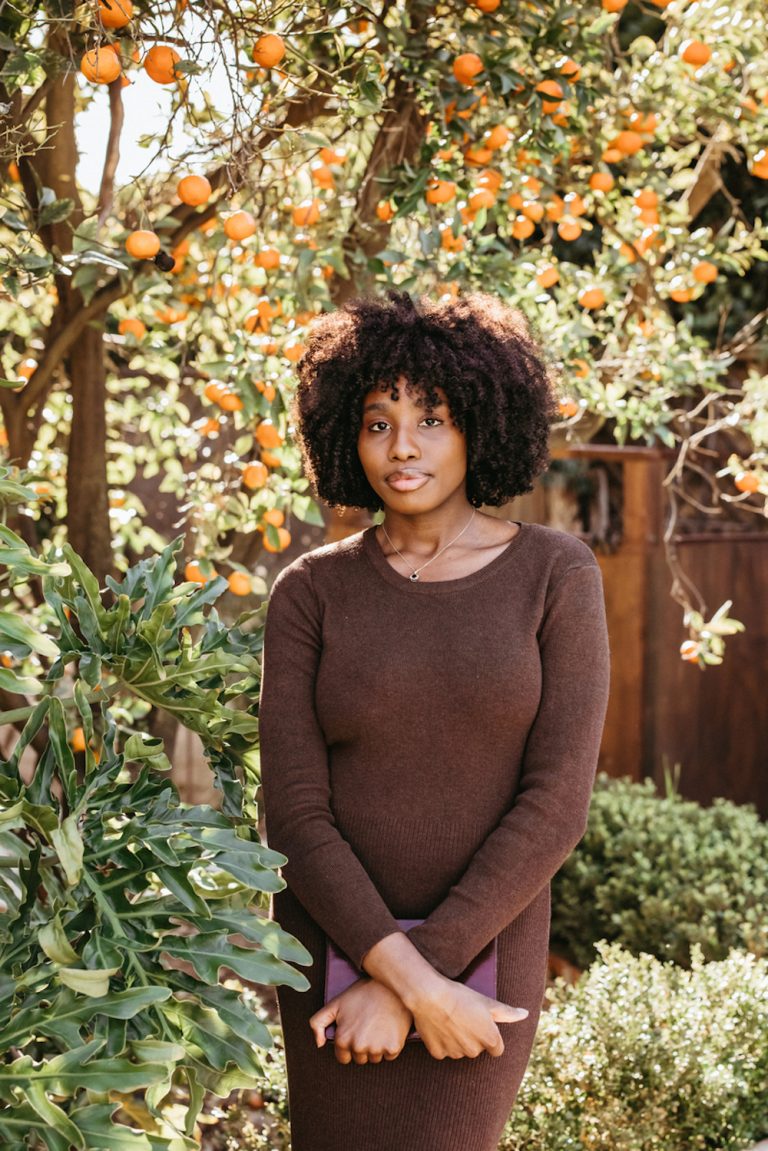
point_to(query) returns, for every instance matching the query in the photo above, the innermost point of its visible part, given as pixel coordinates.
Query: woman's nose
(403, 445)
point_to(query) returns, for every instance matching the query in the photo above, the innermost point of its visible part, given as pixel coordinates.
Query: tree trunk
(87, 493)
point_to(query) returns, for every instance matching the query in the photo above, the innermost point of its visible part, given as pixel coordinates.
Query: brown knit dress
(428, 751)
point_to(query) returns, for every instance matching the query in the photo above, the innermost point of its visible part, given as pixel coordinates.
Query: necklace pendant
(413, 577)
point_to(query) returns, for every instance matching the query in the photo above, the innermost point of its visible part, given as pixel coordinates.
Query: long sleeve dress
(428, 752)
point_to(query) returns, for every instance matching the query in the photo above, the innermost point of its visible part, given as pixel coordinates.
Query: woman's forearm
(400, 966)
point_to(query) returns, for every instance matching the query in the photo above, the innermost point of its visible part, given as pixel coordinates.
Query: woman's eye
(378, 426)
(432, 422)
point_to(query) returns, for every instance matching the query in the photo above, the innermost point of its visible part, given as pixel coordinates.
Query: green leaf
(17, 684)
(55, 212)
(15, 630)
(69, 845)
(208, 953)
(101, 1134)
(64, 1073)
(55, 944)
(86, 981)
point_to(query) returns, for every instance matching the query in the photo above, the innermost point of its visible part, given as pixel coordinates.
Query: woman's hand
(371, 1023)
(456, 1022)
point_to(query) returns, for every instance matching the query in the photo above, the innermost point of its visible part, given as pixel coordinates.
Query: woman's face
(414, 457)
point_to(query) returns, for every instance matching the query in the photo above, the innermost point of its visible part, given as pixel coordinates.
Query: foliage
(662, 875)
(642, 1056)
(126, 918)
(353, 127)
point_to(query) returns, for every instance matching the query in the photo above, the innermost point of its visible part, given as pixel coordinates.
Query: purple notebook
(341, 973)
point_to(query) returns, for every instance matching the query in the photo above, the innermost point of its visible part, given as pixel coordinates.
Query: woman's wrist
(395, 962)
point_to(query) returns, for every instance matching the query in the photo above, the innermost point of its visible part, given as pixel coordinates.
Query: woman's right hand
(456, 1022)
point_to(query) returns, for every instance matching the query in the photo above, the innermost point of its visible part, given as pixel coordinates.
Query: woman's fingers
(503, 1013)
(322, 1019)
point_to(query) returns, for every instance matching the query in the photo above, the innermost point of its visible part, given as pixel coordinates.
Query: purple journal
(340, 972)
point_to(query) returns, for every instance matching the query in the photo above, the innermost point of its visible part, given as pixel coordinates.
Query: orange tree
(602, 164)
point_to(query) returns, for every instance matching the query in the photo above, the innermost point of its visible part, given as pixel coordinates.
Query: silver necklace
(416, 571)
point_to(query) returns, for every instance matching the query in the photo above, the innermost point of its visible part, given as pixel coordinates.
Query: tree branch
(112, 157)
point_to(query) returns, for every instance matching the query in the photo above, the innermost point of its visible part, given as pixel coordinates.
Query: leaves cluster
(129, 922)
(662, 875)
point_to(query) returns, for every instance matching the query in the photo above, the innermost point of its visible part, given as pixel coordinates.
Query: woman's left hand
(372, 1023)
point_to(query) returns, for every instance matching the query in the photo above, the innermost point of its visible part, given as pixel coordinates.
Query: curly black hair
(479, 351)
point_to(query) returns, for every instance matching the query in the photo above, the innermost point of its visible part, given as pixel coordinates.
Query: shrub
(646, 1056)
(661, 874)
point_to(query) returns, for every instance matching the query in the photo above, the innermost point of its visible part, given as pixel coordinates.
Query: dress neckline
(425, 587)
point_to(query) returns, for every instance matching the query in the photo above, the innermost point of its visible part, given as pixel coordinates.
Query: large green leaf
(63, 1074)
(209, 953)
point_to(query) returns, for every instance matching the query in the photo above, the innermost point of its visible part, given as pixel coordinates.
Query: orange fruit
(485, 5)
(482, 198)
(268, 435)
(628, 142)
(581, 369)
(214, 391)
(230, 402)
(759, 165)
(274, 516)
(705, 272)
(614, 5)
(592, 298)
(193, 190)
(552, 89)
(100, 66)
(13, 171)
(695, 52)
(284, 536)
(268, 50)
(194, 574)
(332, 156)
(601, 181)
(645, 198)
(533, 210)
(115, 13)
(612, 156)
(294, 352)
(679, 291)
(142, 245)
(322, 177)
(26, 369)
(467, 67)
(574, 204)
(239, 583)
(746, 482)
(478, 157)
(132, 327)
(522, 228)
(239, 226)
(384, 211)
(548, 276)
(569, 229)
(569, 68)
(255, 475)
(267, 258)
(555, 209)
(496, 137)
(440, 191)
(160, 64)
(489, 178)
(568, 409)
(306, 213)
(77, 742)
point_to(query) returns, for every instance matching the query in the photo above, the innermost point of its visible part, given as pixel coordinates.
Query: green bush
(646, 1056)
(661, 874)
(125, 915)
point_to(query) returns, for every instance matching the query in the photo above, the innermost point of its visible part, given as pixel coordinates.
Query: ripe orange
(574, 204)
(440, 191)
(384, 211)
(194, 574)
(695, 52)
(569, 68)
(569, 229)
(614, 5)
(548, 276)
(332, 156)
(267, 435)
(142, 245)
(132, 327)
(496, 137)
(100, 66)
(746, 482)
(490, 178)
(268, 50)
(214, 391)
(522, 228)
(533, 210)
(592, 298)
(284, 536)
(467, 67)
(255, 475)
(306, 213)
(160, 64)
(13, 171)
(115, 13)
(612, 156)
(239, 583)
(230, 402)
(193, 190)
(294, 352)
(77, 743)
(646, 198)
(555, 209)
(568, 409)
(689, 650)
(705, 272)
(478, 157)
(267, 258)
(581, 369)
(759, 165)
(239, 226)
(482, 198)
(628, 142)
(485, 5)
(274, 516)
(679, 291)
(601, 181)
(552, 89)
(26, 369)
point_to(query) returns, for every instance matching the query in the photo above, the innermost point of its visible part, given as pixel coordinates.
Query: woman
(433, 698)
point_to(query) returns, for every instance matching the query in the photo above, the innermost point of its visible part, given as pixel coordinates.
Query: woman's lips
(406, 481)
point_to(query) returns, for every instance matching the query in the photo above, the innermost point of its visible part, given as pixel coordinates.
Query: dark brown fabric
(428, 751)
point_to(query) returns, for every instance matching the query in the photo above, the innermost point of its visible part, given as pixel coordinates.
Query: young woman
(433, 698)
